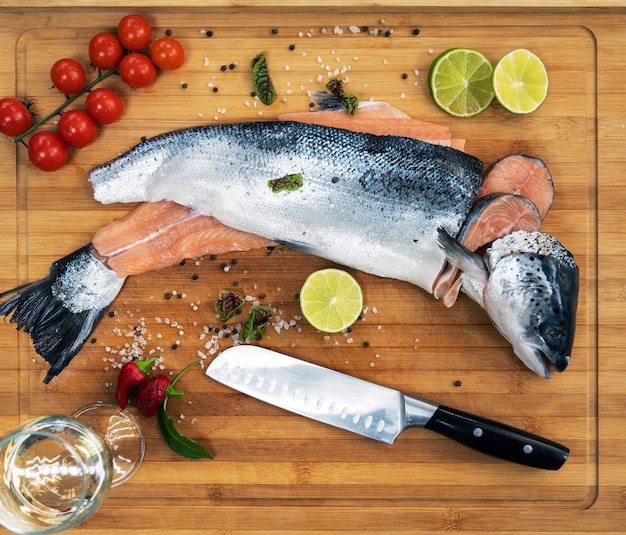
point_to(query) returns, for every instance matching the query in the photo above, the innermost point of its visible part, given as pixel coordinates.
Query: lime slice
(520, 81)
(331, 300)
(460, 82)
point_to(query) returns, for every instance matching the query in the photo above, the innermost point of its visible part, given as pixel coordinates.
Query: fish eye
(551, 331)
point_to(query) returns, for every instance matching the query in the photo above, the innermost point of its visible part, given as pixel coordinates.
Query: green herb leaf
(178, 442)
(228, 303)
(257, 321)
(286, 183)
(263, 86)
(349, 100)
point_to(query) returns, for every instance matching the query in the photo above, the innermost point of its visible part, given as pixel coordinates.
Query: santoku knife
(369, 409)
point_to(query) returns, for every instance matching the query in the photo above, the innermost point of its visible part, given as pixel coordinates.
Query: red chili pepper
(132, 374)
(153, 392)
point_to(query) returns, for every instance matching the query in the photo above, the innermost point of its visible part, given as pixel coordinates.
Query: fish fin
(459, 256)
(325, 101)
(474, 271)
(57, 328)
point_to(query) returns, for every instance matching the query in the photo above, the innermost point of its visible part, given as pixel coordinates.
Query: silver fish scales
(373, 203)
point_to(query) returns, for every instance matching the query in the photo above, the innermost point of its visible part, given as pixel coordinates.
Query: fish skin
(527, 283)
(385, 195)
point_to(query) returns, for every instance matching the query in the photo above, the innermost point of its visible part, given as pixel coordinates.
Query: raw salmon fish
(377, 203)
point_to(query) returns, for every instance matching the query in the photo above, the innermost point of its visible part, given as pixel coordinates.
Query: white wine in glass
(57, 470)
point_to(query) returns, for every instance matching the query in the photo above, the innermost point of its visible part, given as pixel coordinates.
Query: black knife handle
(498, 439)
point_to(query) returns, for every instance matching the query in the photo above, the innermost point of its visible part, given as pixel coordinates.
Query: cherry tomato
(68, 76)
(134, 32)
(77, 129)
(47, 151)
(105, 51)
(15, 118)
(167, 53)
(104, 106)
(137, 70)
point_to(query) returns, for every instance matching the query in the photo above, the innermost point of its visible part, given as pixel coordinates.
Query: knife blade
(369, 409)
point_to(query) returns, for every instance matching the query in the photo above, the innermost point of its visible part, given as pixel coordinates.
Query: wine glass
(57, 470)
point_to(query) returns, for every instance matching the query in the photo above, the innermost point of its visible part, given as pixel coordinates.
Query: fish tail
(60, 311)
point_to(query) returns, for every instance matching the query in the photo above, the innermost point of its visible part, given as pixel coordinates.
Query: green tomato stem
(68, 101)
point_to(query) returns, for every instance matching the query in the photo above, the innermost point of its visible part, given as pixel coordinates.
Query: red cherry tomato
(15, 118)
(104, 106)
(105, 51)
(68, 76)
(77, 129)
(137, 70)
(134, 32)
(47, 151)
(167, 53)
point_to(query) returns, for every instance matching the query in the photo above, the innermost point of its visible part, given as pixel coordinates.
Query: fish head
(531, 297)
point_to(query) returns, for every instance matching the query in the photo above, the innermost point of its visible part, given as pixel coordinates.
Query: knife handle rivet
(478, 432)
(528, 449)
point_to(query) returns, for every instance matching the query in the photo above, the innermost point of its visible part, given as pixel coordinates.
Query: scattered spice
(261, 81)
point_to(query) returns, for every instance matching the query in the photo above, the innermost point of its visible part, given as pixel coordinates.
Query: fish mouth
(537, 358)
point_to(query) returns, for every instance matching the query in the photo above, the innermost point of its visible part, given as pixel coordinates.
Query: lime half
(520, 81)
(460, 82)
(331, 300)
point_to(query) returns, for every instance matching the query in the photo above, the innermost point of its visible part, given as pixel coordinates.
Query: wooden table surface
(280, 474)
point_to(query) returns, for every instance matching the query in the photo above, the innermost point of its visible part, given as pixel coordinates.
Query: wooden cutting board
(272, 468)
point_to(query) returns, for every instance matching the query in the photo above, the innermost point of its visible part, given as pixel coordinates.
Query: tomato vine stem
(68, 101)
